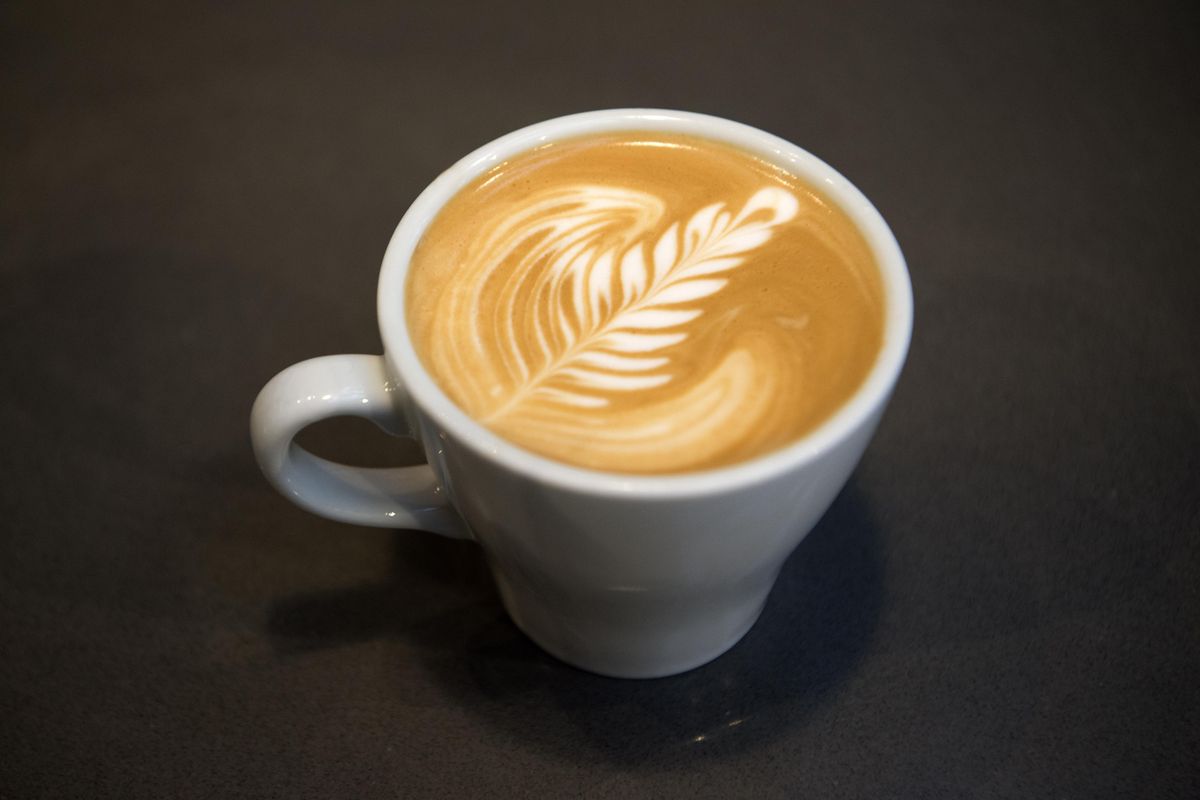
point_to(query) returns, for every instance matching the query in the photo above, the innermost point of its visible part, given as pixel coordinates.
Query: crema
(645, 303)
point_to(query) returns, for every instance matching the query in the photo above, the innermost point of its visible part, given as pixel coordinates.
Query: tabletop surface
(1003, 602)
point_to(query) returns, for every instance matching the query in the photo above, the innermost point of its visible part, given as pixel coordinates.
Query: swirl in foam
(644, 303)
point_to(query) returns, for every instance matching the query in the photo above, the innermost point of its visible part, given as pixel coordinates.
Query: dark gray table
(1004, 602)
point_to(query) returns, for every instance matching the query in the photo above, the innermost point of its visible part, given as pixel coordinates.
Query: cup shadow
(441, 603)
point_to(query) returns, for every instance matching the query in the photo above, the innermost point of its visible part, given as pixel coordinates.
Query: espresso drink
(645, 303)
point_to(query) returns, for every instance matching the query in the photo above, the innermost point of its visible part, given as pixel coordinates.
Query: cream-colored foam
(644, 303)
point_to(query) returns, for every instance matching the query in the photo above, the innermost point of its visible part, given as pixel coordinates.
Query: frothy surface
(644, 303)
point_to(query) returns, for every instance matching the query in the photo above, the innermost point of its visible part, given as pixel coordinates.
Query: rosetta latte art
(601, 303)
(577, 306)
(631, 326)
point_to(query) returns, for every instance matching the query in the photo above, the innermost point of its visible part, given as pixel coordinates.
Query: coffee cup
(622, 574)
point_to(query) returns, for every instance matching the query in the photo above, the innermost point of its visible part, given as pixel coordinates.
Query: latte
(645, 302)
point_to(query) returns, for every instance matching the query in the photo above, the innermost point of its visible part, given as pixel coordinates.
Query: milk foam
(584, 319)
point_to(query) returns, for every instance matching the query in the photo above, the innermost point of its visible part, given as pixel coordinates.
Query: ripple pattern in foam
(586, 322)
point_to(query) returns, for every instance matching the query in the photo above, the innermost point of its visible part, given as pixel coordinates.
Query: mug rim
(856, 410)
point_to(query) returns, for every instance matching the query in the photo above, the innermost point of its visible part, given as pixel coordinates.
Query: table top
(1003, 602)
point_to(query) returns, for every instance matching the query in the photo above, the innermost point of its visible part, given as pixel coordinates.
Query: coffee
(643, 302)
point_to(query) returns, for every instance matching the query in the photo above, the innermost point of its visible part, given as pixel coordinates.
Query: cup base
(619, 642)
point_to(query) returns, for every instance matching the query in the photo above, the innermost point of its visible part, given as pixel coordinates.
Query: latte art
(637, 304)
(595, 296)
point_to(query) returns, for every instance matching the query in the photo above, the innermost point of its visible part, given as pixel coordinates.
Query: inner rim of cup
(874, 390)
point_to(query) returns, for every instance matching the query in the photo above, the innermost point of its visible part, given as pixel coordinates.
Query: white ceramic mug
(629, 576)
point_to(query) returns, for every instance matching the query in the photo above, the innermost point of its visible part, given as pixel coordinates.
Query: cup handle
(335, 386)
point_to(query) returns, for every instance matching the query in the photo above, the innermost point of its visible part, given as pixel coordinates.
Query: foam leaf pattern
(594, 305)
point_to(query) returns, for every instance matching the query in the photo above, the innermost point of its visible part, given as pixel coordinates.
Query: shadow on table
(442, 605)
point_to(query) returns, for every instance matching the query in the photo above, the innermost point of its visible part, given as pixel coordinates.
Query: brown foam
(524, 303)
